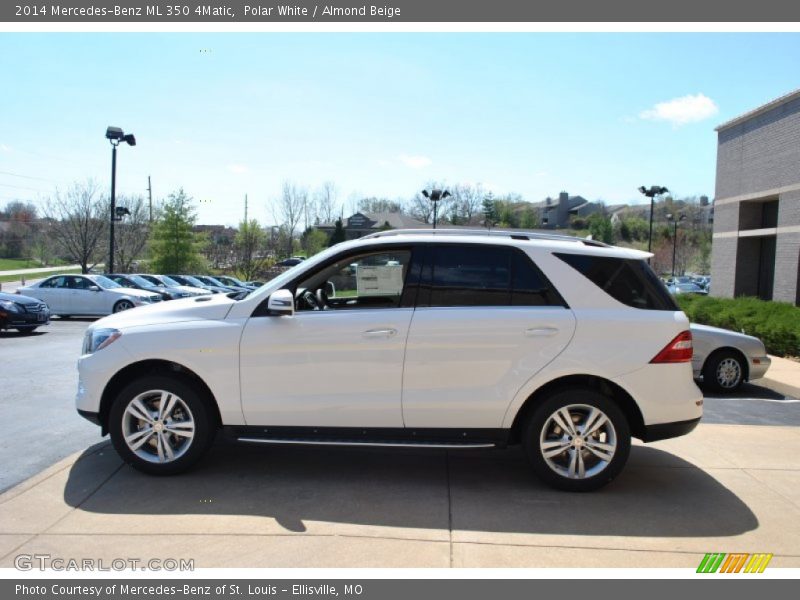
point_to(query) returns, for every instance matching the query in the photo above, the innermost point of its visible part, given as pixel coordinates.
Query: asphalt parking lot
(732, 485)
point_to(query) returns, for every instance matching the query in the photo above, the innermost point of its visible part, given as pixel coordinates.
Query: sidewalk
(783, 377)
(723, 488)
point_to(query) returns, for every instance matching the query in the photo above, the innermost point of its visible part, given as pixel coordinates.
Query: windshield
(138, 280)
(193, 281)
(169, 281)
(105, 282)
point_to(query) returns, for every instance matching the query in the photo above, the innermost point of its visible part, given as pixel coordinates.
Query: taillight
(677, 351)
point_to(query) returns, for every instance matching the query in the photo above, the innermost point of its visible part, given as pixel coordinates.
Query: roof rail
(516, 234)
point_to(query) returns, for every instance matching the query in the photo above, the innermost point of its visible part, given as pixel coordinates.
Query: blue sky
(596, 114)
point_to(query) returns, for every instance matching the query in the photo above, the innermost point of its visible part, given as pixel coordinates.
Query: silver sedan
(725, 359)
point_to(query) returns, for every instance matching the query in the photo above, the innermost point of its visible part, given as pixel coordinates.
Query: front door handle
(375, 333)
(541, 332)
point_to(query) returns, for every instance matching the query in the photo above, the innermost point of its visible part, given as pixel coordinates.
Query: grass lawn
(5, 278)
(10, 264)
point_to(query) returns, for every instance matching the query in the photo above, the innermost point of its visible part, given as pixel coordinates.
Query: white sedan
(94, 295)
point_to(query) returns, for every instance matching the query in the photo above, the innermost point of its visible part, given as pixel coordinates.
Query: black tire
(198, 408)
(27, 329)
(724, 371)
(540, 428)
(121, 305)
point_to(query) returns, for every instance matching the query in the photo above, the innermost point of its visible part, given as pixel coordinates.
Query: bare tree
(289, 209)
(421, 208)
(80, 217)
(132, 233)
(467, 202)
(326, 209)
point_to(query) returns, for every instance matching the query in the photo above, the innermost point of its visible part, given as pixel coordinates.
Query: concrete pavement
(723, 488)
(783, 377)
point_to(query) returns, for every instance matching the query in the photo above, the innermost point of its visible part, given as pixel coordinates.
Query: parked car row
(100, 295)
(689, 284)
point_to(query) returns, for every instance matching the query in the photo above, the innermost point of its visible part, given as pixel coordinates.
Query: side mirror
(281, 303)
(94, 288)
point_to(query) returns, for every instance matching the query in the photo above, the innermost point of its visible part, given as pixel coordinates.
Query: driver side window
(370, 280)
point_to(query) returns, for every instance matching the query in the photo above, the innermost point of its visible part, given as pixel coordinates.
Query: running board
(279, 441)
(379, 437)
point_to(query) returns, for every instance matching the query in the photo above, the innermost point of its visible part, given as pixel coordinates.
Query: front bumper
(12, 320)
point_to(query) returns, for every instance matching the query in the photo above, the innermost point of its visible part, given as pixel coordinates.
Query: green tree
(530, 219)
(174, 247)
(314, 241)
(248, 246)
(489, 210)
(600, 228)
(338, 234)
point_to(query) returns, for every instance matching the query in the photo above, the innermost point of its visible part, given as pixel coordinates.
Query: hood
(132, 292)
(19, 299)
(185, 309)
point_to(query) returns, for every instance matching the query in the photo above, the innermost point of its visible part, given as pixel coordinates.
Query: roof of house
(760, 110)
(396, 220)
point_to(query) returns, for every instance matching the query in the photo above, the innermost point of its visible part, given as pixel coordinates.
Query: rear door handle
(541, 332)
(375, 333)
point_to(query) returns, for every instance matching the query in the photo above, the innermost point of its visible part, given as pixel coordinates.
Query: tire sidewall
(538, 417)
(119, 303)
(197, 404)
(710, 371)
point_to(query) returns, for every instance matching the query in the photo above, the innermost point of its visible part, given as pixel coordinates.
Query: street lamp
(434, 196)
(115, 135)
(655, 190)
(671, 217)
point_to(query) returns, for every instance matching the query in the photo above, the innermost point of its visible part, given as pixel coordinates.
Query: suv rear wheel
(577, 440)
(160, 425)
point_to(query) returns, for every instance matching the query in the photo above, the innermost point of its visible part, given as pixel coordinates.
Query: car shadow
(658, 494)
(13, 334)
(746, 390)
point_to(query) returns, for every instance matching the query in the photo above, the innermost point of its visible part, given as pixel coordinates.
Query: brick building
(756, 244)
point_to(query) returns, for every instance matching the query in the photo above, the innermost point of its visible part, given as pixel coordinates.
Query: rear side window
(629, 281)
(482, 275)
(470, 276)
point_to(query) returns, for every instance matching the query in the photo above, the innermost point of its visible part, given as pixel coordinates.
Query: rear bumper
(663, 431)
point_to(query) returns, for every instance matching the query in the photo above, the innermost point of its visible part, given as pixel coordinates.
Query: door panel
(464, 365)
(324, 368)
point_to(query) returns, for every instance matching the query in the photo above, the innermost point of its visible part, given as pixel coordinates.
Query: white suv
(445, 339)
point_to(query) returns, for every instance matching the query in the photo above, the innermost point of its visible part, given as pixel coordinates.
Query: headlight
(97, 339)
(9, 306)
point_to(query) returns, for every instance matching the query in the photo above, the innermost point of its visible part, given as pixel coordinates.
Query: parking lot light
(115, 135)
(652, 192)
(434, 196)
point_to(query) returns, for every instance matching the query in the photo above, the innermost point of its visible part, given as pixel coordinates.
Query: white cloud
(4, 148)
(415, 162)
(238, 169)
(683, 110)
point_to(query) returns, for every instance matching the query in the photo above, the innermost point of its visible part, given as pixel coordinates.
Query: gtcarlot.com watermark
(44, 562)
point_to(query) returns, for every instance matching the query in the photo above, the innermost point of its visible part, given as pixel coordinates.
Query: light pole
(434, 196)
(115, 135)
(655, 190)
(671, 217)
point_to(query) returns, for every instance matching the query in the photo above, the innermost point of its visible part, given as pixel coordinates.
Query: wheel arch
(152, 367)
(608, 388)
(737, 352)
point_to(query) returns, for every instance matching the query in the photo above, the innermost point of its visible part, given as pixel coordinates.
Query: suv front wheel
(577, 440)
(160, 425)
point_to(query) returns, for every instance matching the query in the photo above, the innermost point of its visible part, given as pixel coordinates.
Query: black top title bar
(464, 11)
